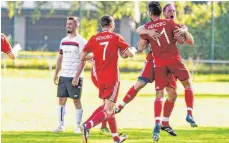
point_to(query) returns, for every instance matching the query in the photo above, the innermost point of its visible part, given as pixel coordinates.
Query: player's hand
(75, 81)
(16, 49)
(154, 34)
(180, 31)
(55, 80)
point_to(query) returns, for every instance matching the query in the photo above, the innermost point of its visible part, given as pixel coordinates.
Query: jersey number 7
(105, 44)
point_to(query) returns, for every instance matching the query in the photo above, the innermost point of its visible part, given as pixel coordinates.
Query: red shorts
(163, 79)
(109, 92)
(147, 73)
(172, 81)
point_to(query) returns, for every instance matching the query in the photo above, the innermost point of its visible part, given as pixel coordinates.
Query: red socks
(168, 108)
(158, 109)
(189, 99)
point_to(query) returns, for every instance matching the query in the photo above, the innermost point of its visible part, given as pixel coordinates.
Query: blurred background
(39, 27)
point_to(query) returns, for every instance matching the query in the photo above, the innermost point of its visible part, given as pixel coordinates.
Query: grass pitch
(200, 135)
(29, 111)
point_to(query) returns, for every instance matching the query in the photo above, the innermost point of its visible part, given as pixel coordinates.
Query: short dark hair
(155, 8)
(106, 20)
(166, 6)
(74, 18)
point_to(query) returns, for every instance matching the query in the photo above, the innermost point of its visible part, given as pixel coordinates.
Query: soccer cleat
(85, 133)
(117, 110)
(59, 129)
(77, 131)
(105, 131)
(190, 120)
(122, 138)
(169, 130)
(156, 132)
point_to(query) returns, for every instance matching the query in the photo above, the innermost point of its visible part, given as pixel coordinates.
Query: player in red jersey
(105, 46)
(167, 59)
(169, 12)
(104, 130)
(147, 76)
(7, 49)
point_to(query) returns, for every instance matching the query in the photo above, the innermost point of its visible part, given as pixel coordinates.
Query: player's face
(170, 12)
(70, 26)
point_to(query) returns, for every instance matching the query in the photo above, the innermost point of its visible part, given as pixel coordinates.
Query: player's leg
(75, 94)
(62, 94)
(146, 76)
(109, 93)
(104, 129)
(168, 106)
(131, 94)
(183, 75)
(160, 84)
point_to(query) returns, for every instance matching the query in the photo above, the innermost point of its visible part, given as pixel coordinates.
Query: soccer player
(104, 130)
(7, 49)
(147, 76)
(105, 46)
(66, 67)
(167, 59)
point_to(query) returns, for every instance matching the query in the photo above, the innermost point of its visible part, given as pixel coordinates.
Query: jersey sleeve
(122, 43)
(88, 47)
(6, 47)
(60, 48)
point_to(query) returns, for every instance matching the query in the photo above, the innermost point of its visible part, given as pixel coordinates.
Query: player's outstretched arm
(142, 45)
(122, 54)
(130, 51)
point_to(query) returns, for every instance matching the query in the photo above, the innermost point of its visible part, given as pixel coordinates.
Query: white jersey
(71, 49)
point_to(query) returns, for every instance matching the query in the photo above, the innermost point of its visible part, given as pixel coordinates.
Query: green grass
(35, 73)
(200, 135)
(29, 111)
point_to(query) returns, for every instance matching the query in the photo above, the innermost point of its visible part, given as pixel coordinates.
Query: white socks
(79, 114)
(61, 113)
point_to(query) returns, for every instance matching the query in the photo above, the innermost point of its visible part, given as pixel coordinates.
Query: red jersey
(105, 47)
(5, 45)
(164, 49)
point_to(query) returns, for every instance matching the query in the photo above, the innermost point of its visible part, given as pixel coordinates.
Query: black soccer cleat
(85, 133)
(169, 130)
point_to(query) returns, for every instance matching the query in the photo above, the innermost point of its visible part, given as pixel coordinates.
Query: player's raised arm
(184, 31)
(142, 45)
(152, 32)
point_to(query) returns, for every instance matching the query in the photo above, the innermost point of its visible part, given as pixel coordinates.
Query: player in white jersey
(66, 68)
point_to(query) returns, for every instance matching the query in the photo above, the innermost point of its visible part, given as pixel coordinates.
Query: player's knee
(76, 101)
(109, 112)
(62, 101)
(139, 85)
(160, 94)
(187, 83)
